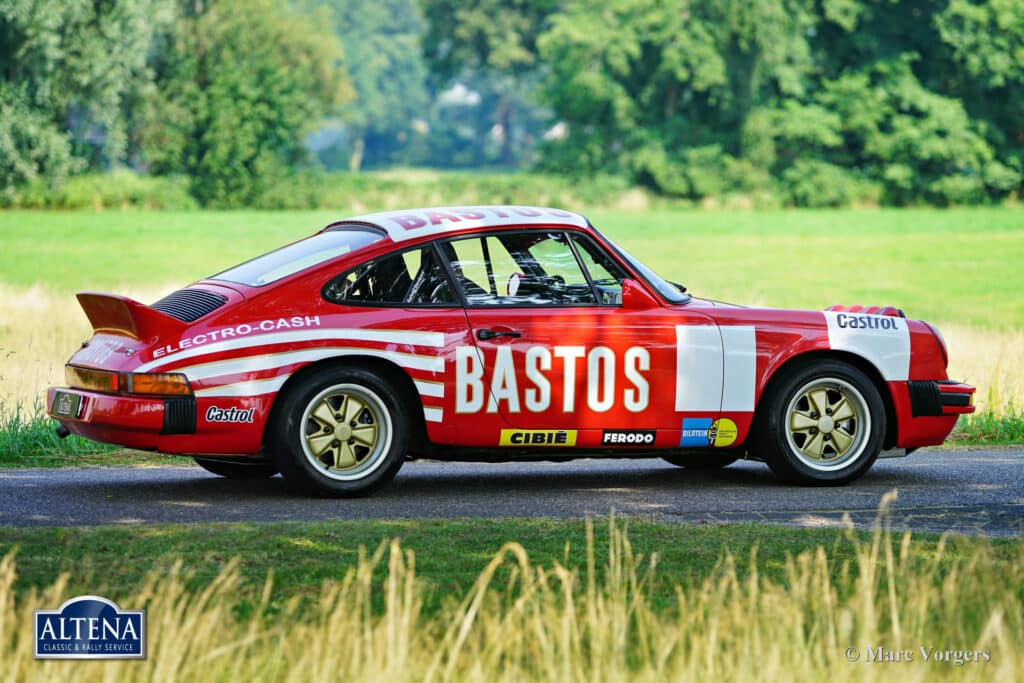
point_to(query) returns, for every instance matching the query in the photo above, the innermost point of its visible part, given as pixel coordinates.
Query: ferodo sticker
(627, 437)
(722, 433)
(695, 432)
(538, 437)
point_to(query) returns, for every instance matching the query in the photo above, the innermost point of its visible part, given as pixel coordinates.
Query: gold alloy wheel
(346, 431)
(827, 423)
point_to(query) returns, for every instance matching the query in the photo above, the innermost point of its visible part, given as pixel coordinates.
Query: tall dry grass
(39, 330)
(564, 623)
(992, 361)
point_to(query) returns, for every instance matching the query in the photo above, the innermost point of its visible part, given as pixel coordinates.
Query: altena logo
(90, 627)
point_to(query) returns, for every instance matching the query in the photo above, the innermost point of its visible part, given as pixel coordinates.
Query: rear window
(301, 255)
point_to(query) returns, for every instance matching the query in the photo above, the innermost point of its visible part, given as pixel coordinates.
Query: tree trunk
(355, 161)
(506, 129)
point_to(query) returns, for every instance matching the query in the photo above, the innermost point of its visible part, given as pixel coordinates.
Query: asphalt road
(958, 490)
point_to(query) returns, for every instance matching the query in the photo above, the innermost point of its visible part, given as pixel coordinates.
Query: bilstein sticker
(627, 437)
(695, 432)
(722, 433)
(538, 437)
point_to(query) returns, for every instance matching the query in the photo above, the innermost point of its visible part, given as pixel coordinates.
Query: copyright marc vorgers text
(936, 655)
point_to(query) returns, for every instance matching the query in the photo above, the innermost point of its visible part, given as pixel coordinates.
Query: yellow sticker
(722, 433)
(538, 437)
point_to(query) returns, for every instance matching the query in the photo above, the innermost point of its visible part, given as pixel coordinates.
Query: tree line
(812, 102)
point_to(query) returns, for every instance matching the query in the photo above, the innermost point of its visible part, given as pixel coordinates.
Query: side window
(413, 277)
(604, 271)
(519, 269)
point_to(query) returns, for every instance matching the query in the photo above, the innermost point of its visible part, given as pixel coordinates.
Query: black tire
(364, 407)
(238, 468)
(702, 461)
(792, 432)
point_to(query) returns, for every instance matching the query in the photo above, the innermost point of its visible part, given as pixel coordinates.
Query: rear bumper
(927, 410)
(168, 425)
(929, 398)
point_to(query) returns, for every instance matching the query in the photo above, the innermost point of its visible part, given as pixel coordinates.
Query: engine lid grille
(189, 305)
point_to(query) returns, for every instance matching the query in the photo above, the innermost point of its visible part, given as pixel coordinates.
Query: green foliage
(397, 189)
(809, 182)
(991, 427)
(490, 48)
(32, 148)
(767, 103)
(29, 438)
(119, 189)
(844, 101)
(238, 85)
(69, 69)
(389, 77)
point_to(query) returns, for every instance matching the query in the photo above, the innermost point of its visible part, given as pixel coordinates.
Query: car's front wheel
(342, 433)
(823, 423)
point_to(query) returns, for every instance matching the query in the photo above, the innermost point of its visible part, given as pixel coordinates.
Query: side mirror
(635, 297)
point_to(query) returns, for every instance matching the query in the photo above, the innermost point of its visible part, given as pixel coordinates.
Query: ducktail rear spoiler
(116, 314)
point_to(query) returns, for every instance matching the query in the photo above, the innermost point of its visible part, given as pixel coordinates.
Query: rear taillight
(95, 380)
(146, 383)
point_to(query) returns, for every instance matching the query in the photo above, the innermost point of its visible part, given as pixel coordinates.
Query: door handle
(484, 335)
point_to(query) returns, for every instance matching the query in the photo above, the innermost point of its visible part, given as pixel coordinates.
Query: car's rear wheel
(822, 424)
(342, 433)
(702, 461)
(238, 468)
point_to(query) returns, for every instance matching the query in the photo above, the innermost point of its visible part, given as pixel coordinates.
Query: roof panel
(410, 223)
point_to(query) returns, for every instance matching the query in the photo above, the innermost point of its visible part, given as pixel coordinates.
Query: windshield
(306, 253)
(668, 290)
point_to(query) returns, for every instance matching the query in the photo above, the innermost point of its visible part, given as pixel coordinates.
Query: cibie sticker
(695, 432)
(722, 433)
(538, 437)
(90, 627)
(627, 437)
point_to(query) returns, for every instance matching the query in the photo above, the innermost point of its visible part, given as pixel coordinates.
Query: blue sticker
(695, 431)
(90, 627)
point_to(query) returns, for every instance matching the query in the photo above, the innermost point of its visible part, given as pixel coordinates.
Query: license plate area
(66, 404)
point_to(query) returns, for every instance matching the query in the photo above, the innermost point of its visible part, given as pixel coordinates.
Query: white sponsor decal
(882, 340)
(243, 330)
(403, 225)
(715, 368)
(541, 366)
(432, 339)
(232, 414)
(277, 361)
(627, 437)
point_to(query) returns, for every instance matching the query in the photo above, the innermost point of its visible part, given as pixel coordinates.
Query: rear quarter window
(301, 255)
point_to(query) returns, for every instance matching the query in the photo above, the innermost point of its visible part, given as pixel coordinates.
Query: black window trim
(432, 245)
(559, 229)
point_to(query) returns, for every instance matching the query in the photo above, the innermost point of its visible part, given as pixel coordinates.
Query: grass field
(960, 268)
(450, 600)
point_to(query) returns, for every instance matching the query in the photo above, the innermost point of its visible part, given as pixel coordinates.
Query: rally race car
(494, 333)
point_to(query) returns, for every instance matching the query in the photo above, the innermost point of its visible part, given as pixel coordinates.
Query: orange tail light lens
(156, 383)
(150, 383)
(96, 380)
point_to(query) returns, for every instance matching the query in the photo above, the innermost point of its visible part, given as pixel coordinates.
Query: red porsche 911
(493, 333)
